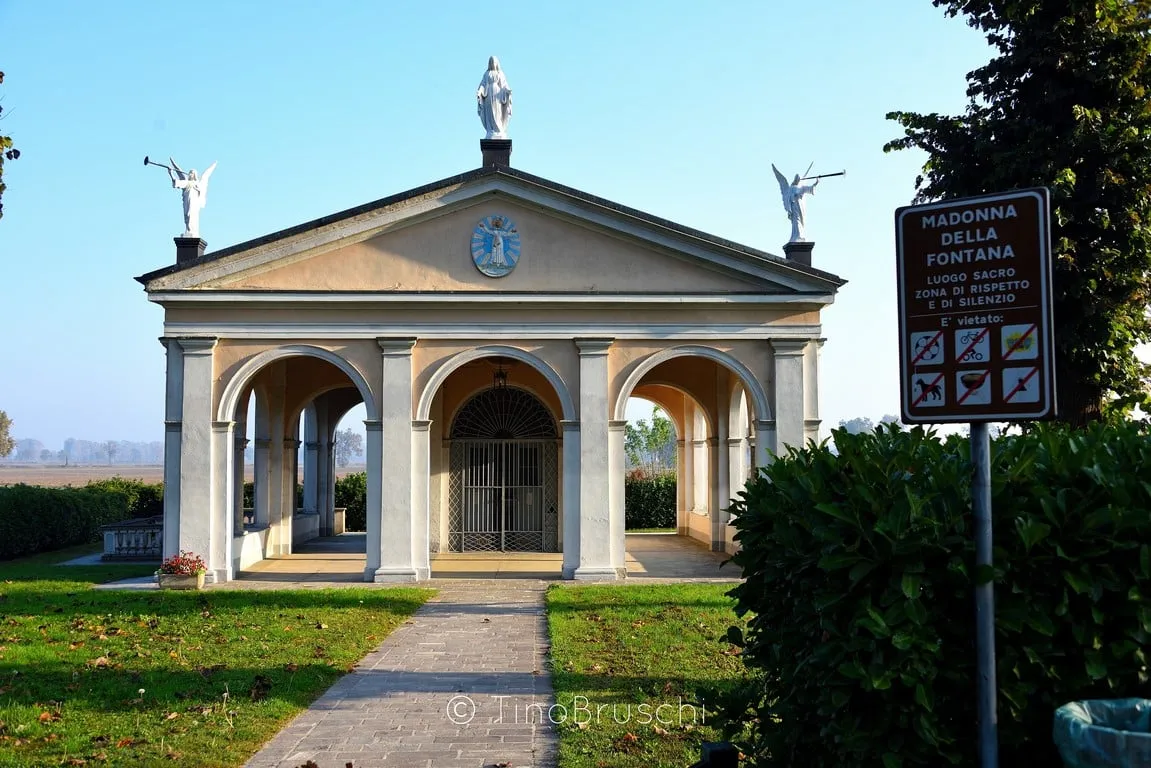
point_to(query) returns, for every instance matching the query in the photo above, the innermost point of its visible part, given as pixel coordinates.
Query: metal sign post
(975, 346)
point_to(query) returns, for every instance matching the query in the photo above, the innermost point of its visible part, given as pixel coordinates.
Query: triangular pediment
(424, 242)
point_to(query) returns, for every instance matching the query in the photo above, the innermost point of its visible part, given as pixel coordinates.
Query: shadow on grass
(21, 600)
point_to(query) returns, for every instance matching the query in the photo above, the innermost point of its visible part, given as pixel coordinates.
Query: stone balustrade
(137, 539)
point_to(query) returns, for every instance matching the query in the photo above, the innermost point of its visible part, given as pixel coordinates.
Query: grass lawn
(94, 677)
(616, 646)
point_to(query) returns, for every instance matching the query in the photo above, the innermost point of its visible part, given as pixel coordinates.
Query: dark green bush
(649, 501)
(144, 499)
(859, 575)
(352, 493)
(35, 519)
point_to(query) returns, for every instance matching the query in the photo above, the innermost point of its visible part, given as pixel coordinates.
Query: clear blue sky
(675, 108)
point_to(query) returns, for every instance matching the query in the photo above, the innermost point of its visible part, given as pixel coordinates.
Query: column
(789, 392)
(764, 441)
(571, 489)
(421, 498)
(239, 445)
(323, 469)
(617, 461)
(290, 479)
(682, 487)
(811, 420)
(311, 462)
(374, 459)
(397, 515)
(197, 477)
(687, 477)
(173, 408)
(596, 482)
(222, 511)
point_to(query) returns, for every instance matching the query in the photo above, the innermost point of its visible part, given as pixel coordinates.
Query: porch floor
(340, 559)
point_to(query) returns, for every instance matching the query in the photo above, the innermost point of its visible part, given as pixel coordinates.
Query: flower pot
(180, 581)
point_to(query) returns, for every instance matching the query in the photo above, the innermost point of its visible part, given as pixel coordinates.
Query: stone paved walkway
(452, 688)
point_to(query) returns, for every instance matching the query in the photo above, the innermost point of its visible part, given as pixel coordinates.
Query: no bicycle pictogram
(1020, 342)
(928, 390)
(972, 345)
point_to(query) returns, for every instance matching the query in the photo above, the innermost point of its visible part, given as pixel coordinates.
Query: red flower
(184, 564)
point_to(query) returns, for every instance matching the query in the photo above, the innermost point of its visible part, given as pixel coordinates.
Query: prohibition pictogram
(975, 387)
(1020, 342)
(927, 348)
(930, 391)
(1016, 383)
(972, 345)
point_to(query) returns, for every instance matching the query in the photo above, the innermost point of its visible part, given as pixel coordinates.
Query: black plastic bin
(1104, 733)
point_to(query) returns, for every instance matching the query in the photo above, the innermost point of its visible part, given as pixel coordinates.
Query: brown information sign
(975, 320)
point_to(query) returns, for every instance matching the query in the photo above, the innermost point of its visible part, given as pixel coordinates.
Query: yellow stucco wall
(556, 255)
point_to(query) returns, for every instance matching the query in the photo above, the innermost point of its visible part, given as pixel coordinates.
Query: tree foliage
(651, 448)
(349, 445)
(7, 442)
(1066, 105)
(7, 152)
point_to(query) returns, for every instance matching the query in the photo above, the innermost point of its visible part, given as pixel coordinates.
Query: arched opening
(504, 474)
(286, 405)
(712, 399)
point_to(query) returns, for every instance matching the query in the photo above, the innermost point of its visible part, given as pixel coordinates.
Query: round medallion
(495, 245)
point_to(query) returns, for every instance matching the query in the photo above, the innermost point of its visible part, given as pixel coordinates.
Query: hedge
(859, 575)
(352, 493)
(35, 519)
(144, 499)
(649, 501)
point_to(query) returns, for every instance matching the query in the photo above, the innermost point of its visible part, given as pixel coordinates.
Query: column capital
(396, 346)
(734, 441)
(421, 425)
(788, 347)
(263, 442)
(222, 426)
(616, 426)
(569, 425)
(812, 423)
(291, 442)
(241, 440)
(312, 445)
(764, 424)
(198, 345)
(593, 346)
(373, 425)
(173, 425)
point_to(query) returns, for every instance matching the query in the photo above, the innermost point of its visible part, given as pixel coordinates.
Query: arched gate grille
(503, 475)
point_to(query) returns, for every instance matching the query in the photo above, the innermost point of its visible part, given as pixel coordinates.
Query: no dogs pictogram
(928, 390)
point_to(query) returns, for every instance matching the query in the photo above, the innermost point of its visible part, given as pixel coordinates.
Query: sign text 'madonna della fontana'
(975, 325)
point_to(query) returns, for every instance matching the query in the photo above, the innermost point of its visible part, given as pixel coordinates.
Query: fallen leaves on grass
(627, 744)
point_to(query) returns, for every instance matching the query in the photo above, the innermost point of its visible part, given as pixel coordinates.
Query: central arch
(503, 474)
(424, 407)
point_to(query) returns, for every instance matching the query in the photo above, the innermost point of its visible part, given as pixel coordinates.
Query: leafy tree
(1065, 104)
(651, 447)
(7, 152)
(111, 447)
(348, 446)
(857, 426)
(7, 444)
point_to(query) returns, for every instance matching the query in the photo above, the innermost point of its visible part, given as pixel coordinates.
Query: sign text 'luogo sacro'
(975, 320)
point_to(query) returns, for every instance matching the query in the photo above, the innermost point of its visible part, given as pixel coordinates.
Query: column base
(217, 575)
(391, 575)
(596, 574)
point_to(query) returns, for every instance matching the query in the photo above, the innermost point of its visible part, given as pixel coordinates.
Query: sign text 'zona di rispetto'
(975, 321)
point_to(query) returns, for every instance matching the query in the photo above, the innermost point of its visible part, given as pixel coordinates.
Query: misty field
(50, 475)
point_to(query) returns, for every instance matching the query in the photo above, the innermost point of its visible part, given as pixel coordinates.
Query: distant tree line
(75, 451)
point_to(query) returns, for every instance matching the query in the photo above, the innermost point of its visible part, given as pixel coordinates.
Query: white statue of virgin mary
(494, 101)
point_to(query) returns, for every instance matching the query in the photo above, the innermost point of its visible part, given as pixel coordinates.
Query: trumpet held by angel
(793, 194)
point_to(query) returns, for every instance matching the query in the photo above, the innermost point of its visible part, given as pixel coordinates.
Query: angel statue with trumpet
(194, 189)
(793, 194)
